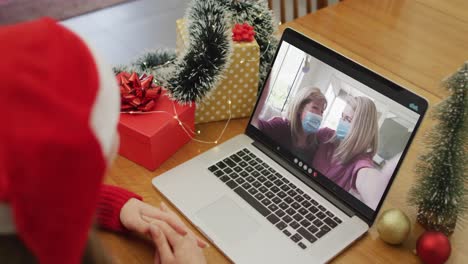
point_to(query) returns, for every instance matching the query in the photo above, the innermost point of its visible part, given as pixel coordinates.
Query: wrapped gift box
(151, 138)
(239, 85)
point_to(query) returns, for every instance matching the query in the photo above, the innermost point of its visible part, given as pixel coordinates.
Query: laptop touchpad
(227, 220)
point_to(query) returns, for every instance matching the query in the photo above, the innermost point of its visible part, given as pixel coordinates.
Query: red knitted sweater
(111, 201)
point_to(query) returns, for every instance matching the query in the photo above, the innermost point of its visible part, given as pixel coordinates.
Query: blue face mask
(311, 123)
(343, 129)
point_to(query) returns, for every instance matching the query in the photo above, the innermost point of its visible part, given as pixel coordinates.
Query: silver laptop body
(220, 198)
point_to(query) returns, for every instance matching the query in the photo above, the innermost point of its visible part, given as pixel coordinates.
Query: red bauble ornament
(433, 247)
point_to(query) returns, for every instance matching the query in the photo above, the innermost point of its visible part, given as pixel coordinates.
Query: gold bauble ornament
(393, 226)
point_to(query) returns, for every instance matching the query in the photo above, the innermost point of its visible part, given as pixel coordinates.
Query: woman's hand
(136, 216)
(371, 184)
(174, 248)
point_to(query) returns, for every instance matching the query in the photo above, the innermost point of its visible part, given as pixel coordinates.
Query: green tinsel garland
(154, 58)
(148, 62)
(191, 76)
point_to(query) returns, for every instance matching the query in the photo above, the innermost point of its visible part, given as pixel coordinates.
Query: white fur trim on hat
(106, 109)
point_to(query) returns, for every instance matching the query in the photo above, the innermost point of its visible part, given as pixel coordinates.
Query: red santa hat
(60, 108)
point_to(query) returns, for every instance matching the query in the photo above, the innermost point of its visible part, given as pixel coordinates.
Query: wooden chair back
(285, 4)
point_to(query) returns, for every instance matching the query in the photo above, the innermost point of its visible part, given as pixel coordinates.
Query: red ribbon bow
(243, 32)
(137, 93)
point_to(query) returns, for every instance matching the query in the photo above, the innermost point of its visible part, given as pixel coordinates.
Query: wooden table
(415, 43)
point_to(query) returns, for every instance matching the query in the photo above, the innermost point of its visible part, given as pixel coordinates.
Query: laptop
(262, 199)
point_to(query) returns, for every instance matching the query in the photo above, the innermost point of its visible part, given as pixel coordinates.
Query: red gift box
(151, 138)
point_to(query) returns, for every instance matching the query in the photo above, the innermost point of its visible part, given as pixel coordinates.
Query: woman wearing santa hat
(60, 108)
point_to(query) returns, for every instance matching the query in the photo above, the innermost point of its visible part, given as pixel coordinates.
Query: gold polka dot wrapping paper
(239, 84)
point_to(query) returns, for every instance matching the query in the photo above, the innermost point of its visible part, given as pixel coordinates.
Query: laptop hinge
(299, 174)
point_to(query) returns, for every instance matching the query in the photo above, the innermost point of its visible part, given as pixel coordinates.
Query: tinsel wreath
(192, 75)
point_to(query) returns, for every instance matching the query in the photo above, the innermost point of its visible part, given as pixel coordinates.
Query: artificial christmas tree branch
(441, 193)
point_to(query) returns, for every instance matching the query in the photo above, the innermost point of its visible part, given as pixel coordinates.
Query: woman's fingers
(140, 226)
(166, 209)
(182, 249)
(201, 243)
(163, 248)
(168, 219)
(171, 235)
(149, 213)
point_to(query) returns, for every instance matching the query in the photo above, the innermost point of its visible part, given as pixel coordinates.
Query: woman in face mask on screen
(297, 131)
(345, 155)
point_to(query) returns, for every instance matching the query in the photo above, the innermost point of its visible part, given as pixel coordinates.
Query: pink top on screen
(343, 175)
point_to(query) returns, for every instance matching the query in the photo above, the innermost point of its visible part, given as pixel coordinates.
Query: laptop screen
(346, 134)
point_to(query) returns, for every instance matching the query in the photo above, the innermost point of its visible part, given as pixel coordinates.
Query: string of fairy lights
(186, 128)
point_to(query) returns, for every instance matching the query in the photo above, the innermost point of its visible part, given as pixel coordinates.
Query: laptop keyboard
(296, 214)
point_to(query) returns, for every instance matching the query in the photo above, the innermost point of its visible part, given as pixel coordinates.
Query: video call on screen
(347, 131)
